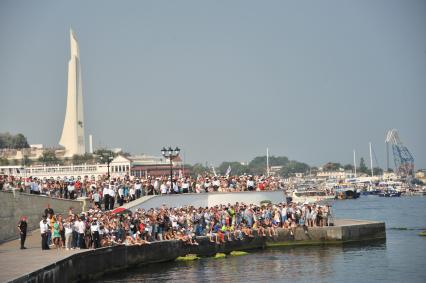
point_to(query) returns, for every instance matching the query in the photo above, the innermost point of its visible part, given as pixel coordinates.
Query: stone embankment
(94, 263)
(15, 204)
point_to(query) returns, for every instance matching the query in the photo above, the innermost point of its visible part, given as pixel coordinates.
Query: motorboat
(344, 192)
(389, 192)
(311, 196)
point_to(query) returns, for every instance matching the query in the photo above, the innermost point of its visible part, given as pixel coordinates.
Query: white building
(92, 171)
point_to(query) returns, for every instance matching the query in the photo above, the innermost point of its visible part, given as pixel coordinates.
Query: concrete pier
(34, 265)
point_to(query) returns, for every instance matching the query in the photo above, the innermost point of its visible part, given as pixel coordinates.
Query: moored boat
(311, 196)
(389, 192)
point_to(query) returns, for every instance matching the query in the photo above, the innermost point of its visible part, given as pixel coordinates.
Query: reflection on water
(398, 259)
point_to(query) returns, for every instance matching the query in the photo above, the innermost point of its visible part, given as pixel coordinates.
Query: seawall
(94, 263)
(206, 199)
(13, 205)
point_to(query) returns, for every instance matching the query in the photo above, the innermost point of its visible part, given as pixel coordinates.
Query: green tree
(377, 171)
(4, 162)
(20, 141)
(348, 167)
(82, 159)
(26, 161)
(331, 166)
(199, 169)
(100, 154)
(236, 168)
(49, 158)
(258, 165)
(362, 167)
(293, 167)
(13, 141)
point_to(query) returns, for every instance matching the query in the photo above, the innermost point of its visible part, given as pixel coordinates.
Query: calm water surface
(401, 258)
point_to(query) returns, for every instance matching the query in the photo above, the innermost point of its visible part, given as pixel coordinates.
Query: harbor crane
(402, 157)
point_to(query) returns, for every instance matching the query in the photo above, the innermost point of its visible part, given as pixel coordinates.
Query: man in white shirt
(105, 194)
(111, 196)
(157, 185)
(94, 229)
(216, 184)
(35, 188)
(120, 195)
(132, 195)
(71, 190)
(250, 184)
(138, 188)
(81, 229)
(185, 186)
(44, 227)
(163, 188)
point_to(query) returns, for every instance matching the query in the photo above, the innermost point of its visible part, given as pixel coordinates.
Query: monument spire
(73, 132)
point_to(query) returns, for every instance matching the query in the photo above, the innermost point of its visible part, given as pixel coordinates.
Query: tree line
(257, 166)
(9, 141)
(289, 168)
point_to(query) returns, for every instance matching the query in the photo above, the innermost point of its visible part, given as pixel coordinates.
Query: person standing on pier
(94, 229)
(111, 196)
(105, 194)
(22, 227)
(44, 227)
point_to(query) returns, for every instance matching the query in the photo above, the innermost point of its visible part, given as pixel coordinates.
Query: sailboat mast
(387, 156)
(354, 163)
(267, 162)
(371, 162)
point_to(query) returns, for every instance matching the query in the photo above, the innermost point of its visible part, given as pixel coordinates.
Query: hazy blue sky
(311, 80)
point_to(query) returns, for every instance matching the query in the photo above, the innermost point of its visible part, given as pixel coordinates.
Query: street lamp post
(108, 159)
(170, 153)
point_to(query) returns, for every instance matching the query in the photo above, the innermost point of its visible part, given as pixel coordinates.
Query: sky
(223, 80)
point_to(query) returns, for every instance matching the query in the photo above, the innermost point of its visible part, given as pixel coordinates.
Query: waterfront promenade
(15, 263)
(65, 266)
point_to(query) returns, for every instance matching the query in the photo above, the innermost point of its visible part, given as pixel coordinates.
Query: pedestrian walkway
(15, 262)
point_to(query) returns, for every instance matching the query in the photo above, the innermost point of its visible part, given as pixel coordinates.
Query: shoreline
(90, 264)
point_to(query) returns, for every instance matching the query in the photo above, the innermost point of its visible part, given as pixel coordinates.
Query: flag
(228, 171)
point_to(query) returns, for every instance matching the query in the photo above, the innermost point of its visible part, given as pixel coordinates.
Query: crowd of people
(232, 222)
(110, 191)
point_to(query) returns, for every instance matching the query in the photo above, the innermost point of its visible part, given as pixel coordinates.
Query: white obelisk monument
(73, 132)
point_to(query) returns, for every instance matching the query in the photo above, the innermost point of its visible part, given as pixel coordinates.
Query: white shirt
(156, 184)
(94, 228)
(43, 227)
(105, 191)
(138, 187)
(163, 188)
(175, 187)
(68, 228)
(81, 227)
(111, 192)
